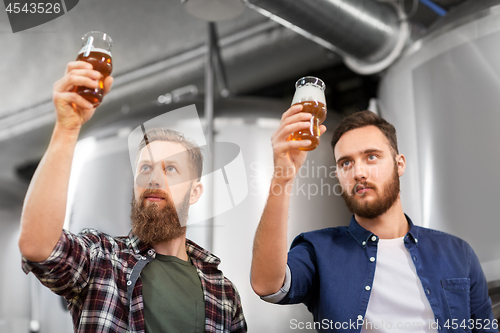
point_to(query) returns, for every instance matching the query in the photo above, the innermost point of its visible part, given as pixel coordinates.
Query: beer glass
(310, 92)
(96, 50)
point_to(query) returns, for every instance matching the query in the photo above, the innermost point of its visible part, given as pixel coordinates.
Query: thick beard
(380, 205)
(153, 225)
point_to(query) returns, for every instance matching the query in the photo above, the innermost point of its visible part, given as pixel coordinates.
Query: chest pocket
(457, 291)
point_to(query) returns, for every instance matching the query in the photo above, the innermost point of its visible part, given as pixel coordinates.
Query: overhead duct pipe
(369, 35)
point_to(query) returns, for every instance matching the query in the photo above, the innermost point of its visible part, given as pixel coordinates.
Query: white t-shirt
(397, 300)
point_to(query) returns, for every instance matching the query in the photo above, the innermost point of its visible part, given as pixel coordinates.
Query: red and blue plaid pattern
(95, 271)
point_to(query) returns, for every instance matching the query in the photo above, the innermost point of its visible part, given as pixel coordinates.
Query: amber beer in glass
(310, 92)
(96, 50)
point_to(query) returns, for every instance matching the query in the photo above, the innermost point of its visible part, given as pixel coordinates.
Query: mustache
(363, 184)
(155, 193)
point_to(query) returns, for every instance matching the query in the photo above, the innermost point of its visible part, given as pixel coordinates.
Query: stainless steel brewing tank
(443, 96)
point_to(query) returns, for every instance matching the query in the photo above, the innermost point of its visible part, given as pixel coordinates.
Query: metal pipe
(209, 122)
(435, 8)
(218, 64)
(363, 29)
(365, 32)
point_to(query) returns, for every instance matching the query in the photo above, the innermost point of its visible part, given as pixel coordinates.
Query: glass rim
(107, 38)
(316, 81)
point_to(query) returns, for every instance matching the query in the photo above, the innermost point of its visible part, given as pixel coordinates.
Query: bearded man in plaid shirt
(154, 279)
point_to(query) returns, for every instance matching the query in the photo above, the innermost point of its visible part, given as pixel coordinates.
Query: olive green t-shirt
(173, 296)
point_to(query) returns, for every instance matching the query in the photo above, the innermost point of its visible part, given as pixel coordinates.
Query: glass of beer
(310, 92)
(96, 50)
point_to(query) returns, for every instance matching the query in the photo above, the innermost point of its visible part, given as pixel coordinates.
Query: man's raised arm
(270, 244)
(45, 203)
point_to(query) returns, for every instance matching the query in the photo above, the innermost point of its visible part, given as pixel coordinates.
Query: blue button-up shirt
(331, 271)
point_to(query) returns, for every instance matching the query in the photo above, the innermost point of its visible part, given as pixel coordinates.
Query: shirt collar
(136, 244)
(363, 236)
(193, 250)
(196, 252)
(413, 233)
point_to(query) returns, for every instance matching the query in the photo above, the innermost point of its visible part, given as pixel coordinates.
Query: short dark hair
(162, 134)
(363, 119)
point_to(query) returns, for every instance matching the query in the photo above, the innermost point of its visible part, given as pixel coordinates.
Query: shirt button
(368, 288)
(414, 258)
(374, 238)
(360, 317)
(129, 283)
(428, 291)
(372, 259)
(363, 243)
(416, 240)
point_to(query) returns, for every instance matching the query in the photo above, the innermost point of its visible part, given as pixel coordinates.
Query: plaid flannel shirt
(99, 276)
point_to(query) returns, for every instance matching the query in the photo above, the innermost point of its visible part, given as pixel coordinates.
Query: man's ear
(196, 192)
(401, 162)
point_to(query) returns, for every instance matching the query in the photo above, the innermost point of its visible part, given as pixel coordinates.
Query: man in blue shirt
(381, 273)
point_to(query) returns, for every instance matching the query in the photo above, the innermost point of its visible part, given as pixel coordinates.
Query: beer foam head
(308, 92)
(86, 50)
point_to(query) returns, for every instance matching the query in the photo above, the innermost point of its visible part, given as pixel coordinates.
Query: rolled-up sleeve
(300, 274)
(66, 271)
(280, 294)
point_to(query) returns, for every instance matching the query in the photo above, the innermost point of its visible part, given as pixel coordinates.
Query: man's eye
(346, 164)
(372, 157)
(145, 168)
(170, 169)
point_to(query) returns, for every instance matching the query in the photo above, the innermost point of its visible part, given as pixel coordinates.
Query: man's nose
(360, 172)
(157, 179)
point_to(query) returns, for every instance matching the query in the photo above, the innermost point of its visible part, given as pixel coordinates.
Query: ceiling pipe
(369, 35)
